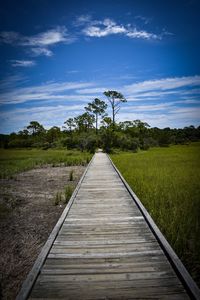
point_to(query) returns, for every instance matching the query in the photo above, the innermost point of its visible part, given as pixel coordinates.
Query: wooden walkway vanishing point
(106, 246)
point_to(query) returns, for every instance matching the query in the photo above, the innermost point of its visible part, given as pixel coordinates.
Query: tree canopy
(114, 98)
(95, 128)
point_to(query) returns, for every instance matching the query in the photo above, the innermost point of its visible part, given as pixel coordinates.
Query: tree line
(95, 129)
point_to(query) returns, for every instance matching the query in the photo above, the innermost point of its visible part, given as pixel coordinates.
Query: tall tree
(106, 122)
(35, 128)
(97, 107)
(84, 121)
(70, 123)
(53, 134)
(115, 98)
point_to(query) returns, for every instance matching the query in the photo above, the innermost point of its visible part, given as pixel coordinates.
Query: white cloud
(97, 90)
(163, 119)
(39, 43)
(191, 101)
(10, 37)
(141, 34)
(158, 90)
(82, 20)
(11, 82)
(23, 63)
(41, 51)
(195, 111)
(48, 91)
(50, 37)
(108, 27)
(105, 27)
(162, 84)
(47, 115)
(153, 107)
(171, 105)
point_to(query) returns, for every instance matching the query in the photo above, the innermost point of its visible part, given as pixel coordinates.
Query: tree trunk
(113, 115)
(96, 123)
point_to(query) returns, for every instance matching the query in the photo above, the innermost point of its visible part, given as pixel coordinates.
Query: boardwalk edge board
(176, 263)
(35, 271)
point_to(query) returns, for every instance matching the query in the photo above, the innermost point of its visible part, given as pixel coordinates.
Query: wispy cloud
(49, 91)
(40, 51)
(162, 84)
(47, 115)
(184, 87)
(141, 34)
(105, 27)
(174, 102)
(39, 43)
(22, 63)
(82, 20)
(95, 90)
(110, 27)
(145, 20)
(11, 82)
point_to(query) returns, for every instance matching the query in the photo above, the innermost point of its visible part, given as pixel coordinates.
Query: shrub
(58, 198)
(68, 193)
(91, 144)
(71, 175)
(19, 143)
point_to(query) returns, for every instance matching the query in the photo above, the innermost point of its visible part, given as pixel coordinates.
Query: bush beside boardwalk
(167, 181)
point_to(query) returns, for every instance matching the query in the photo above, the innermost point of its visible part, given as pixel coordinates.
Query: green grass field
(167, 181)
(15, 161)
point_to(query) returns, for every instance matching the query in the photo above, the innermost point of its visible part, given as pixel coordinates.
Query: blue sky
(56, 56)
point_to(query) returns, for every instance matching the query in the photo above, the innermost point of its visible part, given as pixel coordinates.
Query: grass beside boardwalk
(167, 181)
(13, 161)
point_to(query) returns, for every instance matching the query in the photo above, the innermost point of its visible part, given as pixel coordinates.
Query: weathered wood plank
(105, 249)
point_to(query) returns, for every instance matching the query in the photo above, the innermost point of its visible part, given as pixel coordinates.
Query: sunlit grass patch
(17, 160)
(167, 181)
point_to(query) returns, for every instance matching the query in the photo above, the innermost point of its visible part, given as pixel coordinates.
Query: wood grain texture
(105, 249)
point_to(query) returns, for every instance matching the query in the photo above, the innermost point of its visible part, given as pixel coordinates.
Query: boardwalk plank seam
(101, 250)
(33, 274)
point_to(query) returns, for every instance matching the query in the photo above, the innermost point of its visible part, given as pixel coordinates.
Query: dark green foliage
(97, 107)
(81, 134)
(107, 140)
(19, 143)
(35, 128)
(114, 98)
(128, 135)
(84, 122)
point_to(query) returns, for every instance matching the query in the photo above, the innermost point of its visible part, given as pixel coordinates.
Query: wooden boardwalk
(105, 249)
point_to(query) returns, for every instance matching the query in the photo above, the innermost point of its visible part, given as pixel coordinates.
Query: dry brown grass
(27, 221)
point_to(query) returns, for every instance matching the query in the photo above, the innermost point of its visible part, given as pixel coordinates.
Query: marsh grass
(62, 197)
(68, 192)
(71, 175)
(58, 198)
(167, 181)
(13, 161)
